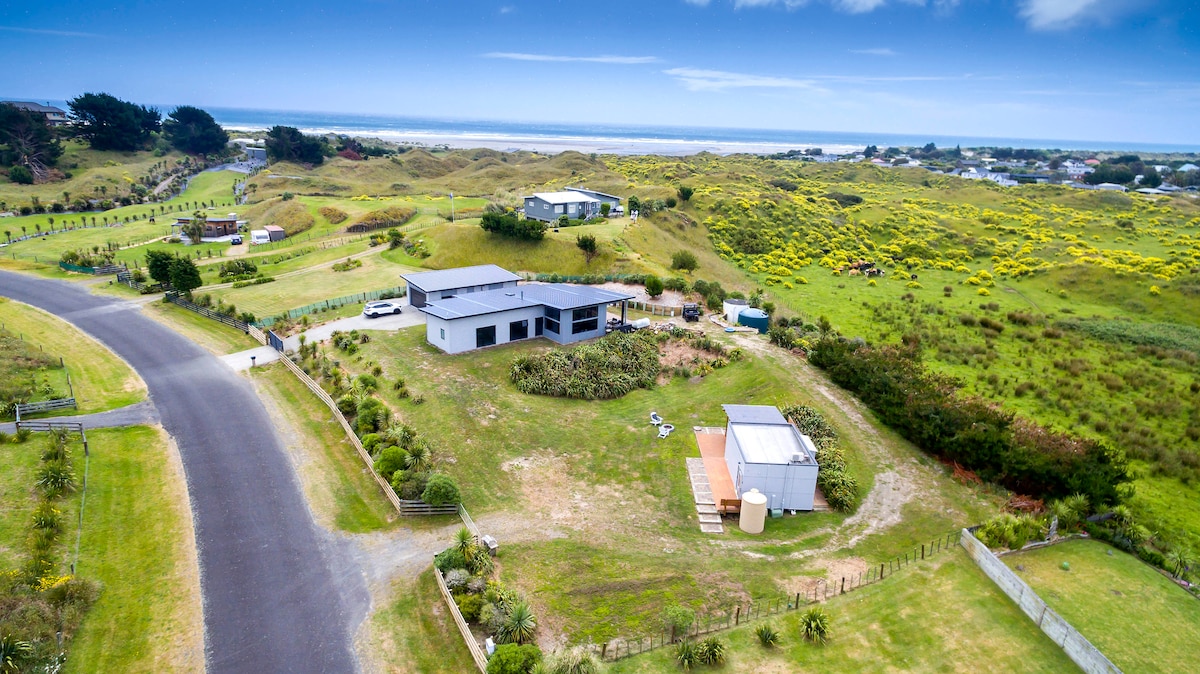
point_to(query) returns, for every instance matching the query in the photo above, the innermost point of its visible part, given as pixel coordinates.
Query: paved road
(279, 595)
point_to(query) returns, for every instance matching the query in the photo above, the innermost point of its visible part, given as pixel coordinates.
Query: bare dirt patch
(669, 298)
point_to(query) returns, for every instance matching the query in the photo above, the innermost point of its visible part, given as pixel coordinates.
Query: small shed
(765, 452)
(275, 232)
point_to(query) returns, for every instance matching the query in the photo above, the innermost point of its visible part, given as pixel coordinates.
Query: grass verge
(1120, 604)
(101, 380)
(414, 632)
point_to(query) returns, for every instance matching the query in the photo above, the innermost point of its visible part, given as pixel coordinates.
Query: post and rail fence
(742, 612)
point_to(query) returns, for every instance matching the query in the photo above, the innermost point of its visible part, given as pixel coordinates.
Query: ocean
(624, 139)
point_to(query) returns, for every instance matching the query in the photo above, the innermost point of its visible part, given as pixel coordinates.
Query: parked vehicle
(691, 312)
(235, 240)
(381, 308)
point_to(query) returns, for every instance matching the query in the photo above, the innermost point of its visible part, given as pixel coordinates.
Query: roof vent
(510, 294)
(796, 458)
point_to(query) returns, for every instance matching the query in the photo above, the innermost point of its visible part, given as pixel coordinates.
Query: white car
(381, 308)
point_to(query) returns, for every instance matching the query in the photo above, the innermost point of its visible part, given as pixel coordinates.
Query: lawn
(19, 463)
(595, 514)
(1138, 618)
(101, 380)
(218, 338)
(944, 616)
(413, 631)
(138, 542)
(341, 492)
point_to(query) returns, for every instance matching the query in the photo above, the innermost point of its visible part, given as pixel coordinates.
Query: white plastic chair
(655, 419)
(665, 430)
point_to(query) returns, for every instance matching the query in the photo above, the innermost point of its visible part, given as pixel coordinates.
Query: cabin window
(518, 330)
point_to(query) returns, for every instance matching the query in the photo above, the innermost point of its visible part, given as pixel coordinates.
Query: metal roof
(565, 197)
(36, 107)
(561, 296)
(593, 192)
(459, 277)
(754, 414)
(765, 436)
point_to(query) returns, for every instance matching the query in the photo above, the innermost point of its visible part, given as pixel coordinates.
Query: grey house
(765, 452)
(560, 312)
(550, 206)
(429, 286)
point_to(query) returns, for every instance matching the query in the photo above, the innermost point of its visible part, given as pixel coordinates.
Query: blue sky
(1062, 69)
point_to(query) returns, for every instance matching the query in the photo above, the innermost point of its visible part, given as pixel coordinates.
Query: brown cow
(854, 272)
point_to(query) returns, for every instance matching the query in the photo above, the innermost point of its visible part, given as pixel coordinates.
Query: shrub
(514, 659)
(508, 225)
(519, 626)
(440, 490)
(684, 260)
(390, 460)
(392, 216)
(578, 660)
(605, 369)
(678, 618)
(448, 559)
(1010, 531)
(767, 635)
(686, 655)
(333, 214)
(469, 605)
(654, 286)
(814, 625)
(711, 651)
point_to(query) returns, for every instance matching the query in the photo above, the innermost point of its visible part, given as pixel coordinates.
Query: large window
(586, 312)
(552, 318)
(585, 326)
(518, 330)
(485, 336)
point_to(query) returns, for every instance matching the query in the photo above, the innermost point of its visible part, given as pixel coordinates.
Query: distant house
(213, 227)
(765, 452)
(1112, 187)
(54, 116)
(561, 312)
(1188, 167)
(430, 286)
(550, 206)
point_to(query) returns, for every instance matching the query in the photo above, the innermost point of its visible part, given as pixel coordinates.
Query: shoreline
(585, 144)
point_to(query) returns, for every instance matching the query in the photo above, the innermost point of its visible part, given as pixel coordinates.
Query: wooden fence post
(843, 585)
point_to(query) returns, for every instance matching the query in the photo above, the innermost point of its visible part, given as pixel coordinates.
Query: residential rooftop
(765, 436)
(459, 277)
(561, 296)
(570, 197)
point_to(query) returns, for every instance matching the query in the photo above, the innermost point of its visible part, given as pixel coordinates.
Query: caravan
(258, 236)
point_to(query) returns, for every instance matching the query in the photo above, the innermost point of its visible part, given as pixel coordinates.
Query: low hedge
(608, 368)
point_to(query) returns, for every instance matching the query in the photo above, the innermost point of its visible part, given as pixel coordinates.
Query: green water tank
(755, 318)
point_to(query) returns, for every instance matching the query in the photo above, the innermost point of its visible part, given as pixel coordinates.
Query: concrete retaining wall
(1079, 649)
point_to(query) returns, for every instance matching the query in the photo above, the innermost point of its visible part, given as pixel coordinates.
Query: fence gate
(275, 341)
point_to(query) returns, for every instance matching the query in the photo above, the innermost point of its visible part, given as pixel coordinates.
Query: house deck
(712, 451)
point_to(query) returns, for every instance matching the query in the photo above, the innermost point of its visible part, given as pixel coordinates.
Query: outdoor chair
(655, 419)
(665, 430)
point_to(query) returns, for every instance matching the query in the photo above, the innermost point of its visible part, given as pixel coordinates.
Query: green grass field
(101, 380)
(138, 543)
(945, 616)
(337, 484)
(89, 169)
(1138, 618)
(413, 631)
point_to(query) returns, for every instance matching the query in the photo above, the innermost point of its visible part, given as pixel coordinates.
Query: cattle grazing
(854, 272)
(913, 276)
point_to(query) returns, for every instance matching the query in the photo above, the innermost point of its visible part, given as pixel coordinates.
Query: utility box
(490, 543)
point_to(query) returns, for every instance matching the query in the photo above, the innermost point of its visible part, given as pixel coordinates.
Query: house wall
(459, 334)
(540, 209)
(786, 485)
(565, 336)
(419, 297)
(611, 201)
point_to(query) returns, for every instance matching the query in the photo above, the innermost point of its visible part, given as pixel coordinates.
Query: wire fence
(740, 612)
(325, 305)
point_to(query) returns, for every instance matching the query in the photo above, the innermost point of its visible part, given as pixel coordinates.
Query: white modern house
(765, 452)
(429, 286)
(561, 312)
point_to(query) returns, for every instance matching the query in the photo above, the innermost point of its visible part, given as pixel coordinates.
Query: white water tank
(732, 308)
(754, 512)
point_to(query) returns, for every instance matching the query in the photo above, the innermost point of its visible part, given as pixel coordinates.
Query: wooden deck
(712, 450)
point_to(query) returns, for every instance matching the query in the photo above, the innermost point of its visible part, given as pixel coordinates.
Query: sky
(1108, 70)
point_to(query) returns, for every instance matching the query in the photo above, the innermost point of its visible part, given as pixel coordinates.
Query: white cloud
(1059, 14)
(617, 60)
(875, 51)
(47, 31)
(698, 79)
(507, 9)
(848, 6)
